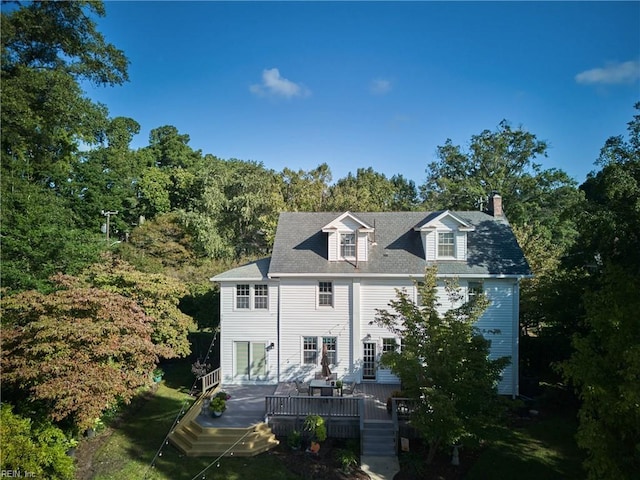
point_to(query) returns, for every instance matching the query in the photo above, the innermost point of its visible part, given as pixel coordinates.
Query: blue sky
(376, 84)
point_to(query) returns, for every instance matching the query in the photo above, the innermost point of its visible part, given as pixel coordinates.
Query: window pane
(446, 244)
(260, 297)
(325, 294)
(389, 345)
(475, 289)
(330, 343)
(242, 296)
(348, 245)
(310, 350)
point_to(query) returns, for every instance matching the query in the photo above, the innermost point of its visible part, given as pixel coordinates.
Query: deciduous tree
(444, 363)
(157, 295)
(37, 450)
(77, 350)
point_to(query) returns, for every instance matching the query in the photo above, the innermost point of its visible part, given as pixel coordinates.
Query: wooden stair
(195, 440)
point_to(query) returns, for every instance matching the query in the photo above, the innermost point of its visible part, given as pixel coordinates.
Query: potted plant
(219, 403)
(339, 386)
(158, 373)
(314, 424)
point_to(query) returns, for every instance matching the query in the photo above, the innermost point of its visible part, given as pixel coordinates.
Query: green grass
(130, 449)
(543, 449)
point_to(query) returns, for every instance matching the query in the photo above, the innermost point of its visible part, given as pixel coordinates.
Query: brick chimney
(495, 205)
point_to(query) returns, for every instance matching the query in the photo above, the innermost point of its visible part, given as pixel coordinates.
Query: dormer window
(446, 244)
(348, 245)
(348, 239)
(444, 236)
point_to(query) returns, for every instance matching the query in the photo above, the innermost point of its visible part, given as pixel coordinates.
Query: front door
(369, 361)
(250, 361)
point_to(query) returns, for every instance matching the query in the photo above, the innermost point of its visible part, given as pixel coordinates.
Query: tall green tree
(503, 161)
(605, 370)
(41, 235)
(444, 363)
(306, 191)
(106, 178)
(605, 365)
(370, 191)
(48, 48)
(158, 296)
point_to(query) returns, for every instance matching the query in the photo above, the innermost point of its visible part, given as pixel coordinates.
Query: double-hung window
(331, 344)
(243, 293)
(389, 345)
(310, 350)
(446, 244)
(325, 294)
(260, 297)
(348, 245)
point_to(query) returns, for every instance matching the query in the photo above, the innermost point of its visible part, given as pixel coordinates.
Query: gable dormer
(348, 239)
(444, 236)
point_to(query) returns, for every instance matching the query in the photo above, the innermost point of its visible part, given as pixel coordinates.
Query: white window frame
(350, 246)
(245, 297)
(474, 288)
(452, 244)
(263, 297)
(332, 353)
(309, 341)
(325, 294)
(385, 344)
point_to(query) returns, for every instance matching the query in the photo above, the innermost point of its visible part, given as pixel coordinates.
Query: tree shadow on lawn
(544, 448)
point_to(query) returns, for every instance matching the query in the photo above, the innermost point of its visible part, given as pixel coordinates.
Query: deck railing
(211, 380)
(302, 406)
(401, 409)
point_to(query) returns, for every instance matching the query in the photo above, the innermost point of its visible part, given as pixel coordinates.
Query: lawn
(127, 451)
(543, 448)
(540, 448)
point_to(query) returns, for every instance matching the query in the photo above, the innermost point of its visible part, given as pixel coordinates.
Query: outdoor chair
(302, 388)
(349, 388)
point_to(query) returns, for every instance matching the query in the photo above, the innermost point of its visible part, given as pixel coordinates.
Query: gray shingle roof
(300, 247)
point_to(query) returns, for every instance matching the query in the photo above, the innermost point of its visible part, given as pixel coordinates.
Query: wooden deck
(262, 408)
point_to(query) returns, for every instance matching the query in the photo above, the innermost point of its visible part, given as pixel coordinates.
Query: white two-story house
(328, 274)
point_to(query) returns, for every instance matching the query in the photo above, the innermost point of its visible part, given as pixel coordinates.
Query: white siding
(334, 246)
(301, 316)
(247, 325)
(499, 316)
(349, 322)
(376, 294)
(461, 245)
(362, 249)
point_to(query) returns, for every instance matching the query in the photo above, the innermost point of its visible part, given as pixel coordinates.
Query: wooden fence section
(211, 380)
(303, 406)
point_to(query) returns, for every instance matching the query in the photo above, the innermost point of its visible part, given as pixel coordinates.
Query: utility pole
(108, 214)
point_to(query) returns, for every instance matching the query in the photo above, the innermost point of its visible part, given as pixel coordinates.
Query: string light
(177, 419)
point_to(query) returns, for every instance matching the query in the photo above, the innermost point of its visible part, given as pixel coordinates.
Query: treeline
(69, 296)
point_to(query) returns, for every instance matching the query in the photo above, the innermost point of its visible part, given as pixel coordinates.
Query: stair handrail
(210, 380)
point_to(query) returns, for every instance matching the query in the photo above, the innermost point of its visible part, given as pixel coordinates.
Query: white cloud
(614, 73)
(380, 86)
(274, 85)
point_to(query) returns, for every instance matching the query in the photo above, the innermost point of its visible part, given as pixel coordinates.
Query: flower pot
(216, 414)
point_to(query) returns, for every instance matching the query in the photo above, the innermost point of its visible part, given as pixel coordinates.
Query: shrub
(314, 424)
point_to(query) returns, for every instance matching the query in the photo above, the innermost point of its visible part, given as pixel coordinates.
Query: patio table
(326, 387)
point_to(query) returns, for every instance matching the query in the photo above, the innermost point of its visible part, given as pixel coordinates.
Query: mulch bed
(325, 466)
